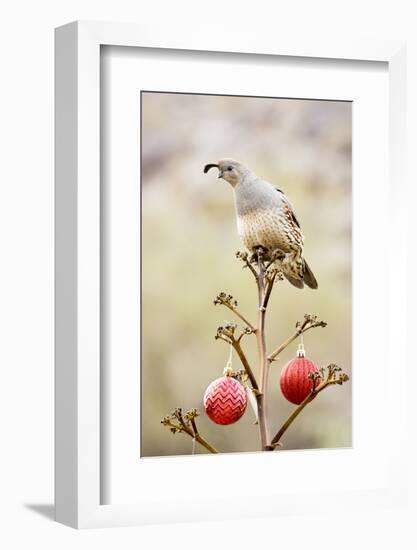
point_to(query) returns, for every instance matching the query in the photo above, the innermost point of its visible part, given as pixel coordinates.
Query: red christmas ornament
(225, 399)
(295, 383)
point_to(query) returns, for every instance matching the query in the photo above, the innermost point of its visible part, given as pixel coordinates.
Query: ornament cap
(301, 352)
(227, 371)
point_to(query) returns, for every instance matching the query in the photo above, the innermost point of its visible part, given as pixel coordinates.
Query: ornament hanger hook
(227, 371)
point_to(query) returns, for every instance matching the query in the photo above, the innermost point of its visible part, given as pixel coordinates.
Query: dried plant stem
(304, 327)
(205, 444)
(268, 291)
(263, 360)
(251, 268)
(291, 418)
(238, 314)
(237, 347)
(180, 424)
(200, 439)
(312, 395)
(281, 348)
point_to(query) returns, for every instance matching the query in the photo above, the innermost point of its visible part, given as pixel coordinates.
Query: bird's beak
(221, 174)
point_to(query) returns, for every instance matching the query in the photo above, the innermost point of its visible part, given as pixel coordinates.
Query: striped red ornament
(225, 400)
(294, 381)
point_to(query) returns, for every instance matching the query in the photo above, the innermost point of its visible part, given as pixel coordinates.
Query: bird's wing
(288, 209)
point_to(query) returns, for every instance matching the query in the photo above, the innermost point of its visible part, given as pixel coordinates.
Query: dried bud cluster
(240, 375)
(179, 422)
(227, 331)
(225, 300)
(334, 375)
(310, 321)
(242, 255)
(315, 377)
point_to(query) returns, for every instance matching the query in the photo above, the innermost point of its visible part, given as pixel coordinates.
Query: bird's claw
(277, 254)
(254, 258)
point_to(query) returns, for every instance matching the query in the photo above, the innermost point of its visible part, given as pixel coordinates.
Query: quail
(266, 221)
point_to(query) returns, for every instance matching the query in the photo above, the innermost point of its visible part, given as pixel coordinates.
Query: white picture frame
(78, 404)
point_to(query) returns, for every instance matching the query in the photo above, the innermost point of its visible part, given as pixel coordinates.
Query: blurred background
(189, 240)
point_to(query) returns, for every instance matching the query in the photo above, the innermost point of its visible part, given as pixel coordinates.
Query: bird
(266, 221)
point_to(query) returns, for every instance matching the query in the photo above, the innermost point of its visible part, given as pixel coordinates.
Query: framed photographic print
(322, 130)
(225, 211)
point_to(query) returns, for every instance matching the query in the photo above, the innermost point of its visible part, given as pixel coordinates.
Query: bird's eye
(230, 168)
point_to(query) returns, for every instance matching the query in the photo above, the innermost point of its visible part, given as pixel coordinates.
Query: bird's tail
(298, 272)
(308, 276)
(299, 283)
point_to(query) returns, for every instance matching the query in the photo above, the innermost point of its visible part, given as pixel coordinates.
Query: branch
(292, 417)
(244, 257)
(263, 362)
(227, 333)
(179, 423)
(270, 275)
(310, 321)
(228, 301)
(334, 376)
(237, 347)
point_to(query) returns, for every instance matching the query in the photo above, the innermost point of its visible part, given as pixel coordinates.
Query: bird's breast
(265, 227)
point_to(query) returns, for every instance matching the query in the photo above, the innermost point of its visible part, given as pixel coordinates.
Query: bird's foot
(260, 254)
(254, 258)
(277, 254)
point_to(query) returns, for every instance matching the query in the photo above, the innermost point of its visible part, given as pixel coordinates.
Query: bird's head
(230, 170)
